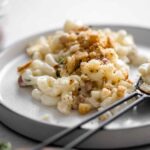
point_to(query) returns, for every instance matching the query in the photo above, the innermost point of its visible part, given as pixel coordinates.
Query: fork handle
(89, 133)
(58, 136)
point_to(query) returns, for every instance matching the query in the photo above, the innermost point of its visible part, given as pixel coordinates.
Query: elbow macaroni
(144, 70)
(80, 68)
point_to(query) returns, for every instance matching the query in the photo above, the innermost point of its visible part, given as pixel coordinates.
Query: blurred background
(22, 18)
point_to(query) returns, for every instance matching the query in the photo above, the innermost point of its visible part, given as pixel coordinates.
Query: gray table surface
(19, 141)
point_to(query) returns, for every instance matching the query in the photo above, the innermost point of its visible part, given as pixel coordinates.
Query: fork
(138, 93)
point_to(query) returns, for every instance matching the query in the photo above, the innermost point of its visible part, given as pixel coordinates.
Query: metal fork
(138, 93)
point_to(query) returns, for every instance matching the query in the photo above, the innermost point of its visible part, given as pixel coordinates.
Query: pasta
(144, 70)
(80, 68)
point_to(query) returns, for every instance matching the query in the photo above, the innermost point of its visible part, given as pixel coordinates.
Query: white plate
(20, 112)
